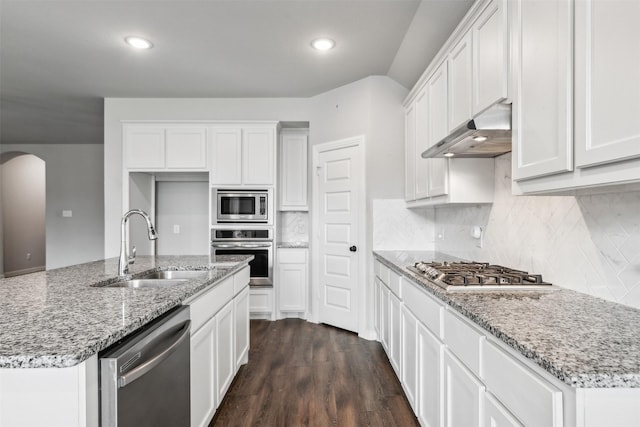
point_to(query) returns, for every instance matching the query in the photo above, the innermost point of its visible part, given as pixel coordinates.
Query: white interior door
(338, 184)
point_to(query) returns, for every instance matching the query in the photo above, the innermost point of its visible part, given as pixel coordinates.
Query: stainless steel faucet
(125, 259)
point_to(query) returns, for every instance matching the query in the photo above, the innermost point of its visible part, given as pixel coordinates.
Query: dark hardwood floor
(303, 374)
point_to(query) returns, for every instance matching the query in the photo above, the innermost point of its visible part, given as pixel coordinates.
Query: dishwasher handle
(147, 366)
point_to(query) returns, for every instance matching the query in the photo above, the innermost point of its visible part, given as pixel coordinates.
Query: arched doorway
(22, 197)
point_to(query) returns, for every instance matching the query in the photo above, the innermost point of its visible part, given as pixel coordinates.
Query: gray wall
(75, 181)
(23, 213)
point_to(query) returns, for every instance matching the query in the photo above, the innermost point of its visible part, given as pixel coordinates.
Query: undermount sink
(157, 279)
(175, 274)
(146, 283)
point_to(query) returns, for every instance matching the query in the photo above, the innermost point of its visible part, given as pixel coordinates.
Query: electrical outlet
(28, 256)
(176, 229)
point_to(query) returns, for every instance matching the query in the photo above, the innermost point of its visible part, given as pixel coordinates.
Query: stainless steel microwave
(242, 206)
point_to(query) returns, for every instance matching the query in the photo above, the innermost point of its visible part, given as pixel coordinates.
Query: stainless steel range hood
(487, 135)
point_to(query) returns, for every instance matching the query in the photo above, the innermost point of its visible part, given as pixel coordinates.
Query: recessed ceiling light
(138, 42)
(480, 138)
(323, 44)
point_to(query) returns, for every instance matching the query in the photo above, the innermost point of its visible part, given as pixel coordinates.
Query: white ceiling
(59, 59)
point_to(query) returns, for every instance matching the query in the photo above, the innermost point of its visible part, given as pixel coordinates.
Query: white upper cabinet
(543, 101)
(490, 56)
(164, 146)
(410, 153)
(421, 166)
(243, 155)
(226, 156)
(293, 171)
(460, 77)
(437, 129)
(607, 96)
(561, 146)
(258, 156)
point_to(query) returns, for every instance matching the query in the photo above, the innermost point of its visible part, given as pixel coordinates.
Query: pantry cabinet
(165, 147)
(596, 140)
(243, 155)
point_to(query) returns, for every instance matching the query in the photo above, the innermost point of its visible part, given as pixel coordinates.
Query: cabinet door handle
(353, 248)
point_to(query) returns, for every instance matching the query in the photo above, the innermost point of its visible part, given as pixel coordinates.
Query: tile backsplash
(396, 227)
(587, 243)
(294, 227)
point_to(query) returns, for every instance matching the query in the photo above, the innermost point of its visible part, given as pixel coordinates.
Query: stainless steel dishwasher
(144, 379)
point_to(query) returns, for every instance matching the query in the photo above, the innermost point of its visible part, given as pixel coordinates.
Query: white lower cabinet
(203, 374)
(496, 415)
(291, 278)
(409, 365)
(241, 314)
(463, 394)
(384, 317)
(430, 378)
(394, 332)
(225, 362)
(219, 343)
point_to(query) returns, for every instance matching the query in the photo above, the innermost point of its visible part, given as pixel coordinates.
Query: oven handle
(241, 245)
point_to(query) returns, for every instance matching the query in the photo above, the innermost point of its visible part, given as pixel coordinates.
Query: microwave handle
(263, 207)
(241, 245)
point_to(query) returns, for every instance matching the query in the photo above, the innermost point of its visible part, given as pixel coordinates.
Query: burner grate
(476, 274)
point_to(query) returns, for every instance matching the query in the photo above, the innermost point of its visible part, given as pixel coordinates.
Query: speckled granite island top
(55, 318)
(584, 341)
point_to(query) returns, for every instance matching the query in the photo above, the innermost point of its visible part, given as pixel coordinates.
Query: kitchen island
(54, 323)
(579, 354)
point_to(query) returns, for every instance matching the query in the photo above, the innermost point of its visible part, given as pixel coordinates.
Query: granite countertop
(293, 245)
(55, 319)
(584, 341)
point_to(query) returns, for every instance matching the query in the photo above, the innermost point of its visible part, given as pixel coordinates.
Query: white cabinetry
(291, 279)
(261, 303)
(495, 415)
(219, 343)
(293, 170)
(463, 394)
(460, 77)
(490, 56)
(225, 362)
(409, 374)
(455, 86)
(241, 313)
(203, 374)
(165, 147)
(430, 377)
(542, 58)
(243, 155)
(607, 85)
(394, 332)
(600, 130)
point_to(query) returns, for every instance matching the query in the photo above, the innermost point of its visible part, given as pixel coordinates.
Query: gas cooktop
(473, 276)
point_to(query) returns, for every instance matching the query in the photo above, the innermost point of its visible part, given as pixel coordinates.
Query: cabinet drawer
(292, 256)
(210, 302)
(395, 283)
(241, 280)
(382, 271)
(509, 380)
(463, 340)
(426, 309)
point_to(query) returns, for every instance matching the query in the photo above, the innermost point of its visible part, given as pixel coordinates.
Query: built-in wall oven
(256, 242)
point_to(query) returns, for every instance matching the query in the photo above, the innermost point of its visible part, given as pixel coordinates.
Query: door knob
(353, 248)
